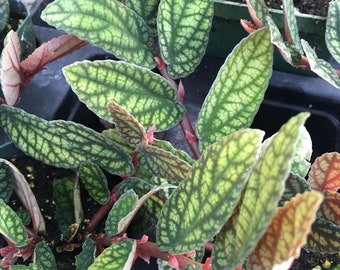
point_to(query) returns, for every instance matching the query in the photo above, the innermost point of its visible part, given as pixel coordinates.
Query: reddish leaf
(50, 51)
(10, 69)
(287, 233)
(325, 173)
(330, 208)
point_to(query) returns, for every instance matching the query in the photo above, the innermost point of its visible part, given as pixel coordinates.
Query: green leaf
(62, 144)
(117, 256)
(165, 145)
(320, 66)
(4, 14)
(86, 257)
(291, 27)
(324, 237)
(147, 9)
(63, 197)
(200, 206)
(144, 94)
(95, 182)
(128, 127)
(238, 90)
(333, 29)
(294, 185)
(288, 51)
(6, 181)
(43, 257)
(263, 192)
(121, 210)
(11, 226)
(161, 163)
(107, 24)
(260, 9)
(183, 29)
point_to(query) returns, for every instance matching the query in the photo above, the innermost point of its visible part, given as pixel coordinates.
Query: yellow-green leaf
(141, 92)
(286, 233)
(238, 90)
(183, 29)
(107, 24)
(202, 203)
(262, 194)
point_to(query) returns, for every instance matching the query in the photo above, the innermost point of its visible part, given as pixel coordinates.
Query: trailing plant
(233, 196)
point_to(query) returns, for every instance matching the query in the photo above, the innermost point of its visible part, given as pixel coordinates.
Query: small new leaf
(11, 225)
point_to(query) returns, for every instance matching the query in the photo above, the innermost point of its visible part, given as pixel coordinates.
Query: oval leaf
(144, 94)
(286, 233)
(10, 70)
(62, 144)
(43, 257)
(183, 28)
(263, 192)
(333, 29)
(324, 174)
(238, 90)
(86, 257)
(161, 163)
(117, 256)
(11, 226)
(202, 203)
(107, 24)
(95, 182)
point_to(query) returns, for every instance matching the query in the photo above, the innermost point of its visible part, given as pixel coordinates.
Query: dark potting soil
(40, 178)
(312, 7)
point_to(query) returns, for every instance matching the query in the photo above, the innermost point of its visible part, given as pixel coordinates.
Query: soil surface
(312, 7)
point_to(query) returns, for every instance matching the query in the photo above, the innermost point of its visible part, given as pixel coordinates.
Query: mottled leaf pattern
(330, 208)
(294, 185)
(128, 127)
(11, 225)
(62, 144)
(107, 24)
(238, 90)
(324, 237)
(43, 257)
(86, 257)
(291, 27)
(121, 210)
(146, 95)
(161, 163)
(147, 9)
(4, 13)
(286, 233)
(325, 172)
(63, 197)
(202, 203)
(183, 29)
(32, 266)
(263, 192)
(321, 67)
(333, 29)
(117, 256)
(6, 181)
(95, 182)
